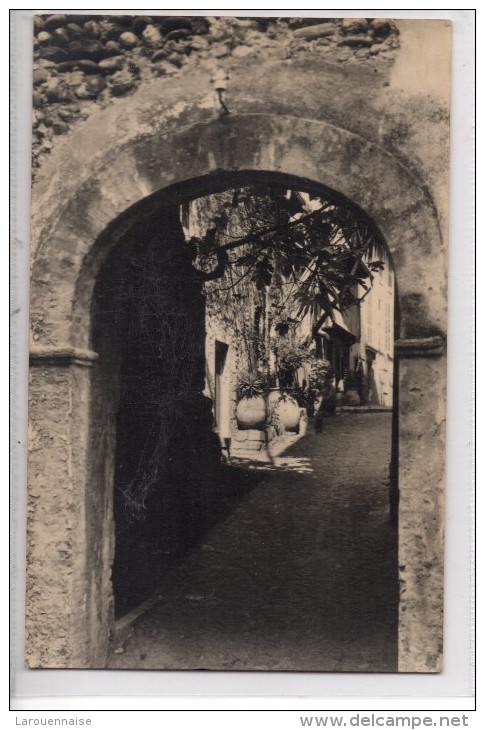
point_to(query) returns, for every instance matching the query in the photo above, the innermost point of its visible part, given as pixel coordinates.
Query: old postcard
(238, 337)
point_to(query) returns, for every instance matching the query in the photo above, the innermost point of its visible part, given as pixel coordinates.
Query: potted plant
(290, 357)
(251, 407)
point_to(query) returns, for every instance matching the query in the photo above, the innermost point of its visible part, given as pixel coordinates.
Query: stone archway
(76, 235)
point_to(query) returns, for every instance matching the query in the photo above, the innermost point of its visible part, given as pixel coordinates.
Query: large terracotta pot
(288, 412)
(251, 413)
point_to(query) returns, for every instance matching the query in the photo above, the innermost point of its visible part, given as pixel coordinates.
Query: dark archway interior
(149, 314)
(157, 312)
(149, 330)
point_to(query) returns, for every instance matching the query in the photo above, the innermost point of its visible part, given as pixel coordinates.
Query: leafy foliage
(316, 251)
(291, 355)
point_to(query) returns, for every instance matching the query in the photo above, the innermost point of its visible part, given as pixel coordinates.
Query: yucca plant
(251, 385)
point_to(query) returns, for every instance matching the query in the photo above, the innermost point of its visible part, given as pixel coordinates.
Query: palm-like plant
(251, 385)
(321, 253)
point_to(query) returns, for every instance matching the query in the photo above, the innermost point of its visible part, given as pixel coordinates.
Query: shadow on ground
(297, 571)
(169, 530)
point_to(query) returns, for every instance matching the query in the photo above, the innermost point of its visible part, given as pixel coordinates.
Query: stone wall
(304, 106)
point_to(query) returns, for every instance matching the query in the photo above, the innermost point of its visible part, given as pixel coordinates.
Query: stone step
(248, 436)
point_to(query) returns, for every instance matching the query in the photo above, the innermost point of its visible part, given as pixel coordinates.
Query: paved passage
(300, 575)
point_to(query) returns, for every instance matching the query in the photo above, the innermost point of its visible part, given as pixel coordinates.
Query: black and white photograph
(238, 314)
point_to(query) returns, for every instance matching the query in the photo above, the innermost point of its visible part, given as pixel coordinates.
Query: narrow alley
(300, 574)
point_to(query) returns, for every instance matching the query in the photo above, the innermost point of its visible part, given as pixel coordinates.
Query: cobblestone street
(301, 575)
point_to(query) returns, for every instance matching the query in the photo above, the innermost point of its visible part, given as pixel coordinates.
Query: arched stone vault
(133, 175)
(89, 203)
